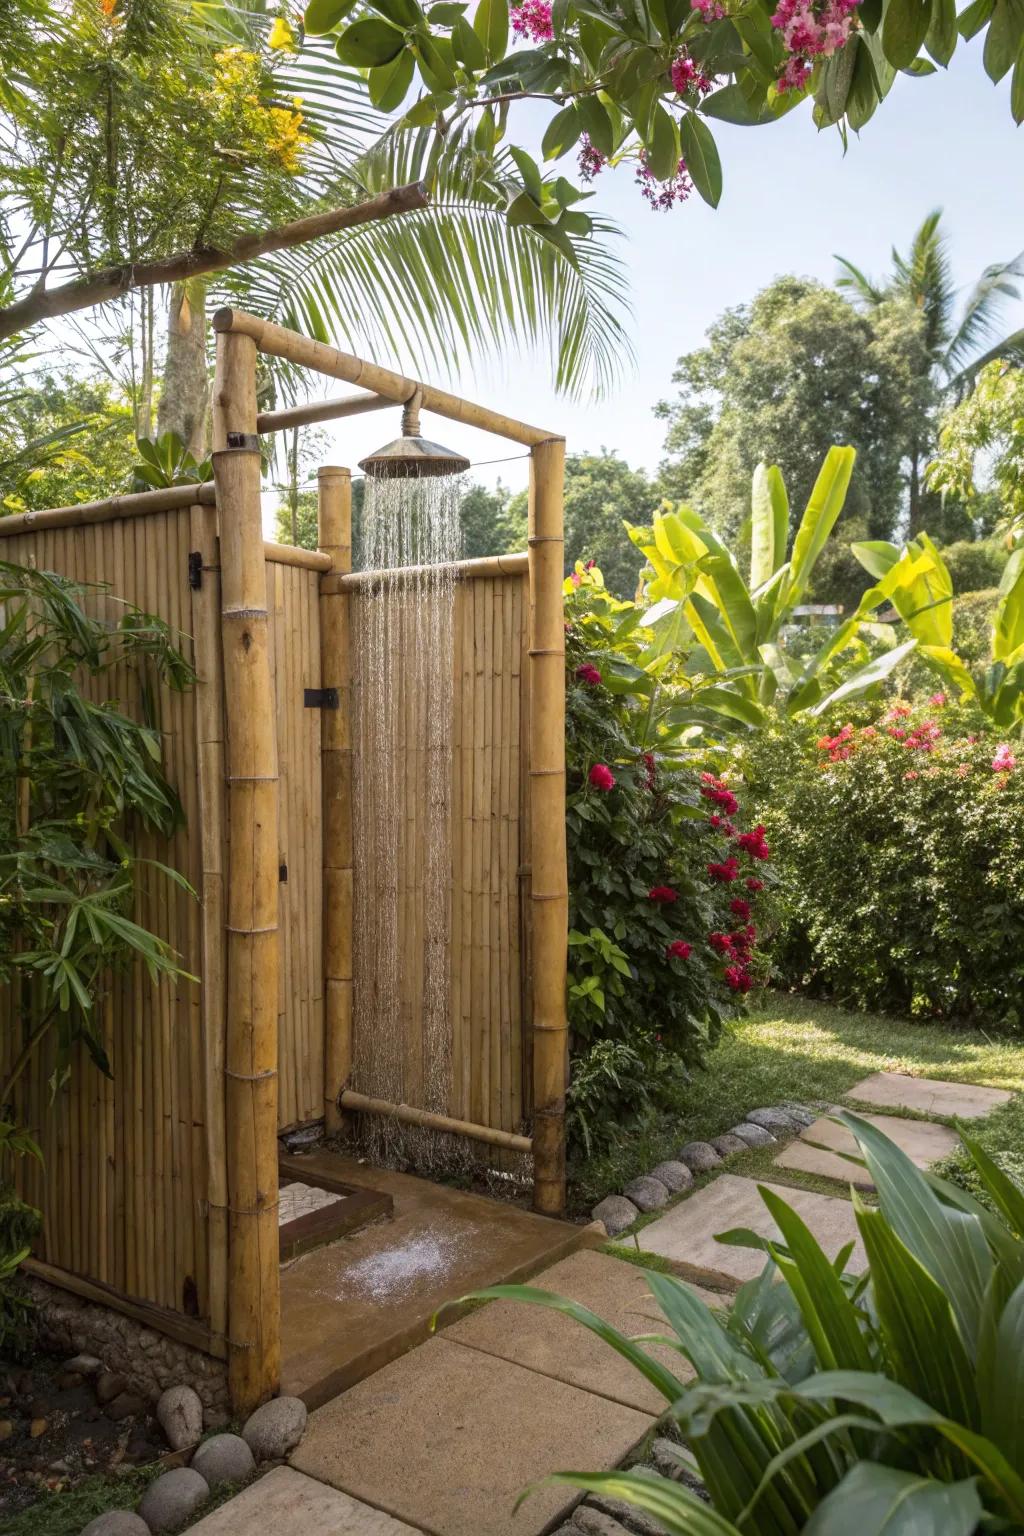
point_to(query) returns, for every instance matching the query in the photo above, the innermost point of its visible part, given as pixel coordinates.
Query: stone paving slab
(287, 1503)
(961, 1101)
(549, 1342)
(448, 1437)
(686, 1234)
(922, 1141)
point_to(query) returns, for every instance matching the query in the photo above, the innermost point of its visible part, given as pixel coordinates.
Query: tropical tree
(602, 495)
(986, 425)
(958, 341)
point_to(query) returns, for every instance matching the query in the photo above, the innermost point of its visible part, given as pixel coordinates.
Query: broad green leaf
(528, 171)
(490, 23)
(597, 125)
(865, 677)
(401, 13)
(1001, 1380)
(976, 15)
(735, 705)
(1004, 38)
(923, 1344)
(904, 28)
(323, 15)
(873, 1500)
(877, 556)
(469, 50)
(1008, 627)
(436, 59)
(769, 524)
(701, 155)
(369, 43)
(942, 33)
(678, 1512)
(662, 141)
(389, 83)
(1017, 88)
(823, 509)
(1007, 1195)
(561, 133)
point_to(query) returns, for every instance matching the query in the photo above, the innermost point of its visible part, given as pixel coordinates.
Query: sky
(792, 199)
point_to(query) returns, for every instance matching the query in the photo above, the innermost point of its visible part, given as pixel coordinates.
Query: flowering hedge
(664, 883)
(901, 844)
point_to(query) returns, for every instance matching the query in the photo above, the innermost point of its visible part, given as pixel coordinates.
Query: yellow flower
(282, 37)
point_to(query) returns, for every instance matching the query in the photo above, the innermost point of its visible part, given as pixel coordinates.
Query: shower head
(411, 456)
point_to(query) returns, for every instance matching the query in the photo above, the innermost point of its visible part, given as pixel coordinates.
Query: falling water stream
(402, 639)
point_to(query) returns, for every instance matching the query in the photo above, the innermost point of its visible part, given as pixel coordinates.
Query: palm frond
(862, 288)
(925, 277)
(979, 322)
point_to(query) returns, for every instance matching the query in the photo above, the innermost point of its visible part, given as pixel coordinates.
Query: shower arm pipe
(302, 351)
(462, 570)
(408, 1114)
(320, 410)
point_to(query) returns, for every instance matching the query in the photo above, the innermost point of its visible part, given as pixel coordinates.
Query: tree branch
(113, 282)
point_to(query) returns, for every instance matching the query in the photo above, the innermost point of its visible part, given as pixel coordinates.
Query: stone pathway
(286, 1503)
(923, 1141)
(961, 1101)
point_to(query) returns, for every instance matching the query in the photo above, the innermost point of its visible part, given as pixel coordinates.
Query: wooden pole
(334, 537)
(408, 1114)
(320, 410)
(549, 893)
(254, 1311)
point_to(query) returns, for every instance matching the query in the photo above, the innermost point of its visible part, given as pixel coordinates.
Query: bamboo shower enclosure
(160, 1185)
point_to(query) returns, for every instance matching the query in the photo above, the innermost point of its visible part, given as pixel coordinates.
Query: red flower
(720, 943)
(589, 565)
(754, 884)
(663, 895)
(601, 777)
(719, 793)
(754, 843)
(589, 675)
(726, 872)
(737, 978)
(678, 950)
(649, 764)
(740, 907)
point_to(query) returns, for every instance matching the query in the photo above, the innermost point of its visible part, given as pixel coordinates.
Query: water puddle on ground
(419, 1261)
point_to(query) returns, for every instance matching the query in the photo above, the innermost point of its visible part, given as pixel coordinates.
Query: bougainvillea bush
(665, 875)
(901, 847)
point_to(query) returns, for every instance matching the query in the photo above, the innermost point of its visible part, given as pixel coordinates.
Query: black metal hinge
(282, 873)
(195, 569)
(320, 698)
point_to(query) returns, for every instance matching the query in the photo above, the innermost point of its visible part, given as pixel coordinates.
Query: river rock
(699, 1156)
(752, 1135)
(173, 1499)
(800, 1113)
(648, 1193)
(675, 1176)
(594, 1522)
(616, 1212)
(729, 1144)
(125, 1405)
(276, 1428)
(89, 1365)
(775, 1120)
(179, 1412)
(117, 1522)
(636, 1520)
(109, 1385)
(224, 1459)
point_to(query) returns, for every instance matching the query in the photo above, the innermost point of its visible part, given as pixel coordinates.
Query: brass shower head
(412, 456)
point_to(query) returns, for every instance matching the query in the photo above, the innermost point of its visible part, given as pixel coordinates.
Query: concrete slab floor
(922, 1141)
(929, 1096)
(290, 1504)
(686, 1234)
(555, 1345)
(352, 1306)
(448, 1437)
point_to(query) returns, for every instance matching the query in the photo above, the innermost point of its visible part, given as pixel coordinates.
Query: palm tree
(957, 343)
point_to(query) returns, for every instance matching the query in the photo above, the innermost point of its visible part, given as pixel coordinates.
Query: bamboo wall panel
(293, 597)
(123, 1187)
(488, 968)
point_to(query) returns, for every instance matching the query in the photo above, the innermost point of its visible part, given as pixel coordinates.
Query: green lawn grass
(792, 1048)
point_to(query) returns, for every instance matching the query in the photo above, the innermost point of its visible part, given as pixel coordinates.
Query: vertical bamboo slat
(254, 1323)
(334, 538)
(549, 894)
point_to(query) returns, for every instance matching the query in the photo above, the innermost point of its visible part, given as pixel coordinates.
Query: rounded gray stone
(752, 1135)
(674, 1176)
(616, 1212)
(775, 1120)
(729, 1144)
(117, 1522)
(276, 1428)
(224, 1459)
(594, 1522)
(173, 1499)
(800, 1113)
(179, 1413)
(648, 1193)
(87, 1365)
(699, 1156)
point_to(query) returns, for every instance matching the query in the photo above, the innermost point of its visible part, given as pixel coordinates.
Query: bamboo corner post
(251, 1045)
(334, 537)
(549, 884)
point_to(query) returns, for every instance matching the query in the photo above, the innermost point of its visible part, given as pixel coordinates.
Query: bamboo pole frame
(319, 410)
(334, 537)
(251, 1028)
(409, 1114)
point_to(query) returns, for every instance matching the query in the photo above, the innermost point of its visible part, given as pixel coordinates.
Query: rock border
(762, 1126)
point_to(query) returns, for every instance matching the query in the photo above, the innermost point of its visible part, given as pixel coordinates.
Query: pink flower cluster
(588, 674)
(711, 10)
(663, 195)
(678, 950)
(839, 746)
(811, 29)
(601, 777)
(1004, 760)
(688, 76)
(590, 162)
(532, 19)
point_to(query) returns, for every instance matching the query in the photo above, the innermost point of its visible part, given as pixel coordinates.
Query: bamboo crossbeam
(409, 1115)
(276, 341)
(134, 504)
(319, 410)
(463, 570)
(293, 554)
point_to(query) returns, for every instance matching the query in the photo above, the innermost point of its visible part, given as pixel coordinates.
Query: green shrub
(900, 850)
(663, 928)
(975, 563)
(829, 1402)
